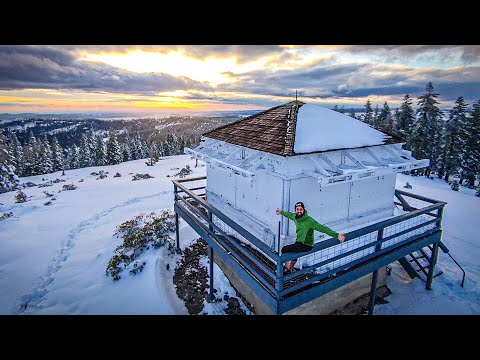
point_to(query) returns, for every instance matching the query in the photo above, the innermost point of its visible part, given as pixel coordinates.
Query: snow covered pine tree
(8, 178)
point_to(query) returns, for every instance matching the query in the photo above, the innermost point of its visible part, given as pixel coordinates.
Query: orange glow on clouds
(210, 69)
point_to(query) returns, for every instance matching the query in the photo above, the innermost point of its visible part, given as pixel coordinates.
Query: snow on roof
(321, 129)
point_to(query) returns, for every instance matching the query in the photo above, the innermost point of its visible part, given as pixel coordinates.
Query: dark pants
(296, 247)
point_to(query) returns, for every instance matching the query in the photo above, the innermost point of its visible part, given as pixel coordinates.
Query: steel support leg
(373, 292)
(211, 296)
(177, 235)
(431, 269)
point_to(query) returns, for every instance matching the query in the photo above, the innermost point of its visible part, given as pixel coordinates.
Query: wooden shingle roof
(272, 131)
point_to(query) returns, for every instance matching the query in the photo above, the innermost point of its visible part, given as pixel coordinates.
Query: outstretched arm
(287, 214)
(326, 230)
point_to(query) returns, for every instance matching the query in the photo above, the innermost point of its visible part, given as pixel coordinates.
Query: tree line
(453, 146)
(41, 156)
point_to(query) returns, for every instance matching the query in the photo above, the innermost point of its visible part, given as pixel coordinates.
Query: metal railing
(364, 250)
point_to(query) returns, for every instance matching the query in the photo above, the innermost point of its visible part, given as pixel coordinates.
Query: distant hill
(69, 128)
(119, 115)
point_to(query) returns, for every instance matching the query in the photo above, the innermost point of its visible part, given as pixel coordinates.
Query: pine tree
(73, 157)
(57, 155)
(352, 113)
(368, 116)
(85, 156)
(444, 168)
(45, 156)
(406, 118)
(342, 109)
(172, 145)
(144, 150)
(18, 159)
(100, 152)
(114, 155)
(395, 119)
(8, 179)
(335, 108)
(92, 144)
(427, 129)
(471, 145)
(135, 148)
(384, 118)
(167, 145)
(152, 153)
(32, 158)
(181, 145)
(453, 142)
(161, 149)
(375, 117)
(126, 155)
(11, 148)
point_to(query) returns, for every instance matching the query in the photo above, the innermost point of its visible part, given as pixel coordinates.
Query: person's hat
(300, 204)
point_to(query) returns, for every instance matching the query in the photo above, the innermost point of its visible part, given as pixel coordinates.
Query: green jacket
(305, 227)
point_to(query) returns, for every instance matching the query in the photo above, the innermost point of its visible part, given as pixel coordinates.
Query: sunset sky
(103, 78)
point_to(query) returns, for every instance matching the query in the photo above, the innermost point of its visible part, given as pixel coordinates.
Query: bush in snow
(102, 176)
(139, 234)
(48, 194)
(455, 186)
(141, 176)
(477, 194)
(20, 197)
(117, 175)
(28, 184)
(184, 172)
(152, 161)
(69, 187)
(6, 215)
(137, 268)
(48, 203)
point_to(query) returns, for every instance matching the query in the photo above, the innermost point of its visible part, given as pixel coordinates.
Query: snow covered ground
(460, 235)
(53, 258)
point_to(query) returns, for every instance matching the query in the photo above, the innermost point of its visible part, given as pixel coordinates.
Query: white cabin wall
(252, 201)
(221, 183)
(245, 196)
(268, 197)
(372, 194)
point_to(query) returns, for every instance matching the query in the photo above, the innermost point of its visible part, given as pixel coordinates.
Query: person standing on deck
(305, 225)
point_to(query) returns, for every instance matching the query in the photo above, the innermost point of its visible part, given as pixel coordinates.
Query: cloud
(30, 67)
(339, 80)
(320, 73)
(22, 105)
(466, 53)
(243, 53)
